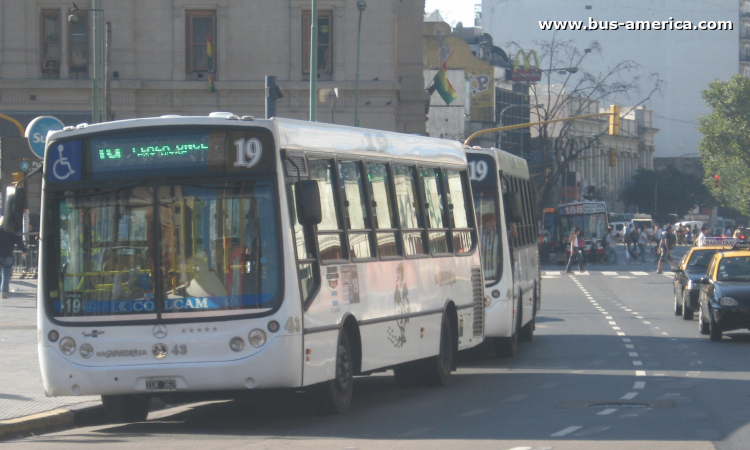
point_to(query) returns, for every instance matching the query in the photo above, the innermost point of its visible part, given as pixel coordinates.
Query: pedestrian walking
(576, 246)
(700, 241)
(8, 241)
(642, 241)
(610, 246)
(666, 245)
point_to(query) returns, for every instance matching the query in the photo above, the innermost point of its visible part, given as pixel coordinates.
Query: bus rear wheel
(125, 408)
(437, 369)
(335, 396)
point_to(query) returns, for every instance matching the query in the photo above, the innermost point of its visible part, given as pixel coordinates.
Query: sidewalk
(21, 389)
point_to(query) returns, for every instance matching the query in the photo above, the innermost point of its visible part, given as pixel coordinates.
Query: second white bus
(504, 204)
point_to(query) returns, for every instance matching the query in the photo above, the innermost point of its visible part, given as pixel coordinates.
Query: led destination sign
(149, 151)
(165, 150)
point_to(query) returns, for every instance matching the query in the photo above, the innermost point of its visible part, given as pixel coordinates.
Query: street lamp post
(361, 6)
(538, 105)
(97, 44)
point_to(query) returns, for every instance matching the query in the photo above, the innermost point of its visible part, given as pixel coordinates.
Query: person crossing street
(666, 245)
(576, 248)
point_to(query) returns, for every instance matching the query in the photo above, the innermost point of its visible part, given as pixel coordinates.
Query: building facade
(161, 54)
(745, 37)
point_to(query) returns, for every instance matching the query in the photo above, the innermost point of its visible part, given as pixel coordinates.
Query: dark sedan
(686, 279)
(725, 294)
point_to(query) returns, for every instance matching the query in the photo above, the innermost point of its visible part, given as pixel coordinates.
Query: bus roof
(508, 163)
(301, 135)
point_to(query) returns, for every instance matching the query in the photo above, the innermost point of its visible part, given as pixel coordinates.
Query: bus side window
(409, 210)
(357, 217)
(459, 210)
(384, 217)
(527, 206)
(433, 193)
(330, 231)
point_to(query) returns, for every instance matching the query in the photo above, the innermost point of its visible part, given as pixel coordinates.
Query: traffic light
(717, 182)
(614, 120)
(612, 157)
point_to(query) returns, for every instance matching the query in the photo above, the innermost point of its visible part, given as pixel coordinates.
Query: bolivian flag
(210, 55)
(443, 86)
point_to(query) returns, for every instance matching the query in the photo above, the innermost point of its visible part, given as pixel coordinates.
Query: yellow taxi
(691, 269)
(724, 299)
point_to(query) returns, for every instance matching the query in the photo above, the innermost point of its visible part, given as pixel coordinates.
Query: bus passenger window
(329, 230)
(357, 217)
(408, 209)
(384, 217)
(433, 193)
(459, 212)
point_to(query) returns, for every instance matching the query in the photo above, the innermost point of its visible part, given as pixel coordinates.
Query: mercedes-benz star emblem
(160, 331)
(159, 351)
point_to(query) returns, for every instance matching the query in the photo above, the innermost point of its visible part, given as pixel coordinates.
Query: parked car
(688, 274)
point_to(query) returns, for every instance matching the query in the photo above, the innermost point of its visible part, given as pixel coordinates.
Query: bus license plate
(168, 384)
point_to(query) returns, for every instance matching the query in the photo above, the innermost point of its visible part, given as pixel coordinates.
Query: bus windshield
(589, 224)
(490, 245)
(182, 251)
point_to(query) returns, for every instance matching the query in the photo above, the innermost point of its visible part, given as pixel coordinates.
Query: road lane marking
(693, 374)
(547, 276)
(473, 412)
(629, 346)
(610, 273)
(647, 323)
(608, 317)
(551, 272)
(612, 323)
(633, 354)
(620, 333)
(639, 273)
(667, 334)
(639, 317)
(606, 412)
(626, 340)
(615, 328)
(639, 385)
(634, 313)
(637, 363)
(629, 396)
(628, 310)
(566, 431)
(640, 373)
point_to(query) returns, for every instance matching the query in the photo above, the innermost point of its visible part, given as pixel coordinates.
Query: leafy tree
(583, 90)
(676, 192)
(725, 145)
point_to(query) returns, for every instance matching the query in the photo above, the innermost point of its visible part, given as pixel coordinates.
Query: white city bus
(504, 204)
(184, 255)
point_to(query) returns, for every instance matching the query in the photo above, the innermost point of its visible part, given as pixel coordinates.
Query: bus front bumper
(279, 365)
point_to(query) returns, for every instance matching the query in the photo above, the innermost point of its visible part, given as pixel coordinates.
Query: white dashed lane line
(566, 431)
(639, 385)
(637, 363)
(606, 412)
(629, 396)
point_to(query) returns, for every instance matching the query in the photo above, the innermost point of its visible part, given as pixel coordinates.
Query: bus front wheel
(125, 408)
(336, 395)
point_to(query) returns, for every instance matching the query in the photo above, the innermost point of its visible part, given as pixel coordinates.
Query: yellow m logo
(526, 60)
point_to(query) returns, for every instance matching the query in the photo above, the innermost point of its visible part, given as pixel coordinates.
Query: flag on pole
(443, 85)
(210, 55)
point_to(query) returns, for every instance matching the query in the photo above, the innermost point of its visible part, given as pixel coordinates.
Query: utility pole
(273, 93)
(314, 62)
(95, 78)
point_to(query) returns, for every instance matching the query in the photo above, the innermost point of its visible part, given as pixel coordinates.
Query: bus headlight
(53, 336)
(86, 351)
(236, 344)
(257, 338)
(728, 301)
(67, 346)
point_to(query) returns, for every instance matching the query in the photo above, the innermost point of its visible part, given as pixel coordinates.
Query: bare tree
(579, 92)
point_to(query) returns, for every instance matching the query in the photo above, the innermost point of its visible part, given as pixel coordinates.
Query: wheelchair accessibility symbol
(62, 168)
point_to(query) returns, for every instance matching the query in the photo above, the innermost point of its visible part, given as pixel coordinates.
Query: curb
(55, 420)
(78, 415)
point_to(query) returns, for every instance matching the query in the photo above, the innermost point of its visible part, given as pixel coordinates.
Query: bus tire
(125, 408)
(335, 396)
(437, 369)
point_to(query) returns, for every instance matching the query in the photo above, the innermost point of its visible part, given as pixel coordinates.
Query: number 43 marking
(293, 324)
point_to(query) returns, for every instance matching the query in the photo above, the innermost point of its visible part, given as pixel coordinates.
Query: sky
(453, 11)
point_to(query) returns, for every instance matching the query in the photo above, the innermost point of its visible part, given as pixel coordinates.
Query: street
(611, 366)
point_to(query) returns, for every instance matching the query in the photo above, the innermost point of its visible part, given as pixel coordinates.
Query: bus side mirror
(514, 206)
(13, 208)
(308, 202)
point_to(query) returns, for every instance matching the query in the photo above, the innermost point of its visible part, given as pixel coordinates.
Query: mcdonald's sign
(527, 71)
